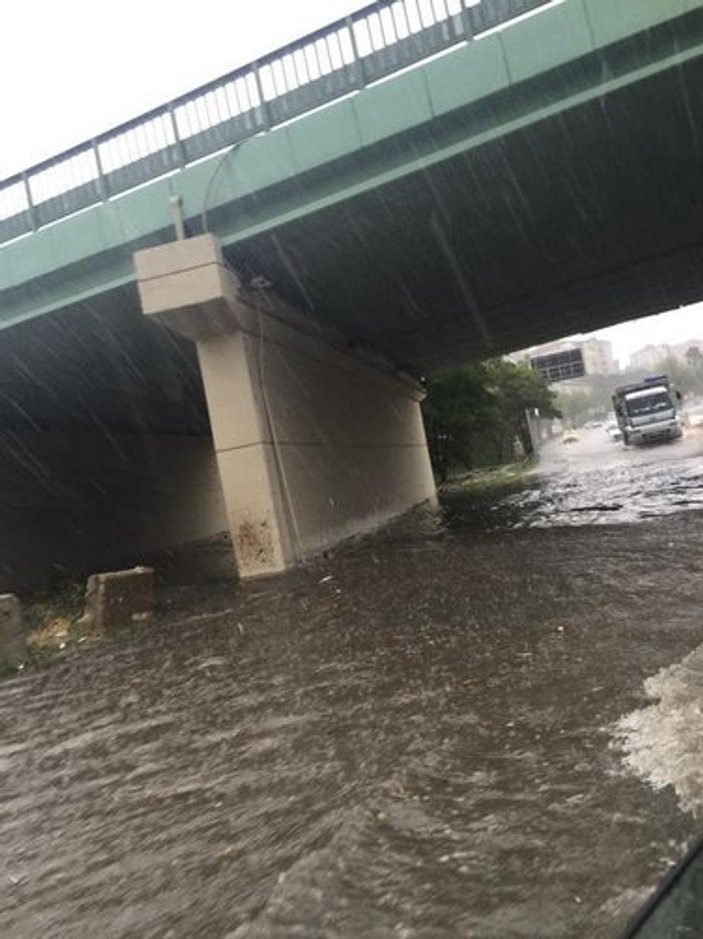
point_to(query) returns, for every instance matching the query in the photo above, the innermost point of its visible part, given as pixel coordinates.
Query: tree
(576, 406)
(481, 409)
(694, 357)
(520, 389)
(682, 376)
(459, 407)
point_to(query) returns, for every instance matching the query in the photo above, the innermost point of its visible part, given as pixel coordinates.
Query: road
(445, 730)
(595, 449)
(597, 479)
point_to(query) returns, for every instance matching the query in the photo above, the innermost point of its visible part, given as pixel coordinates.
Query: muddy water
(414, 737)
(594, 482)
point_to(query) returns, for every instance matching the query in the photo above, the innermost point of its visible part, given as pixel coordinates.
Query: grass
(495, 477)
(54, 622)
(57, 634)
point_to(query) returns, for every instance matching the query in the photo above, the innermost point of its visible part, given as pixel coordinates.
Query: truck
(648, 411)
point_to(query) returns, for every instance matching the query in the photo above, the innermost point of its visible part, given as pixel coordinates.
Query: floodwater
(598, 481)
(439, 731)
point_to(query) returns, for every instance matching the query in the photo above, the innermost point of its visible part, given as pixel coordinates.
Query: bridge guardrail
(330, 63)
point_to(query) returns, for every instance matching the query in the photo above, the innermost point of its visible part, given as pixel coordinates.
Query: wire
(206, 199)
(261, 360)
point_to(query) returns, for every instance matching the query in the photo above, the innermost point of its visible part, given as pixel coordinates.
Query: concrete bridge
(422, 183)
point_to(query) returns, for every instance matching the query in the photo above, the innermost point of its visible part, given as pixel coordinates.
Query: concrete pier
(315, 442)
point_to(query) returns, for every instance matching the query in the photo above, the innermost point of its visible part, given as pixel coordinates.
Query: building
(649, 358)
(597, 354)
(655, 357)
(598, 357)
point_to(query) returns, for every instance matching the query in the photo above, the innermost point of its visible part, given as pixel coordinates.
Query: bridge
(423, 182)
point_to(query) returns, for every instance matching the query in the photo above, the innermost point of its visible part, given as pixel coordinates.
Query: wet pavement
(599, 481)
(440, 731)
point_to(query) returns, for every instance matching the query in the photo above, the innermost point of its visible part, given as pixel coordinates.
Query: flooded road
(599, 481)
(419, 736)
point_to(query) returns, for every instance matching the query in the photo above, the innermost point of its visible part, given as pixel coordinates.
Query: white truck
(648, 412)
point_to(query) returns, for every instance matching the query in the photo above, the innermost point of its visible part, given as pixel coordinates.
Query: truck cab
(648, 412)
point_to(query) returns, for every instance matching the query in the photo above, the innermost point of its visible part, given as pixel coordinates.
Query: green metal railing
(330, 63)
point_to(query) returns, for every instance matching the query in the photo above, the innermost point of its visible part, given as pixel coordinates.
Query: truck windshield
(649, 403)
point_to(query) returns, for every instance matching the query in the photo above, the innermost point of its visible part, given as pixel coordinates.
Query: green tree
(576, 406)
(519, 389)
(478, 411)
(459, 408)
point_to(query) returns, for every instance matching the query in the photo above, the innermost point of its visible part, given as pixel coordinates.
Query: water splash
(663, 742)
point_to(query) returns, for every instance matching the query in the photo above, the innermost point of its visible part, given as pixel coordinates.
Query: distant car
(570, 436)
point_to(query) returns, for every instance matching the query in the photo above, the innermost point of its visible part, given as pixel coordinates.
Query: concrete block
(12, 641)
(186, 286)
(118, 598)
(176, 256)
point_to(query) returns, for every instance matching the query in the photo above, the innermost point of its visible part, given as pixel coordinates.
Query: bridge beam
(315, 442)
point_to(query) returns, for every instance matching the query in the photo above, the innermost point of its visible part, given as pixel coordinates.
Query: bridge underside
(493, 213)
(105, 449)
(586, 219)
(100, 367)
(583, 220)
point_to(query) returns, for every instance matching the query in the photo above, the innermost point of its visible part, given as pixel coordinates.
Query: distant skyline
(667, 328)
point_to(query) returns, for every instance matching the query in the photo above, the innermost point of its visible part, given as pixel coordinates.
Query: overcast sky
(665, 329)
(70, 69)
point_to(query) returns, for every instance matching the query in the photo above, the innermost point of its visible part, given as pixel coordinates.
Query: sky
(75, 68)
(663, 329)
(70, 69)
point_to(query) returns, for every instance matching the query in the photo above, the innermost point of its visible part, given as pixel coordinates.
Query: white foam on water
(663, 742)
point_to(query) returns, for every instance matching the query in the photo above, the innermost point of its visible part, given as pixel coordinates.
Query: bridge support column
(314, 442)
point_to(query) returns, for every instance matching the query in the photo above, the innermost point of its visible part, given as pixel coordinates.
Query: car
(570, 436)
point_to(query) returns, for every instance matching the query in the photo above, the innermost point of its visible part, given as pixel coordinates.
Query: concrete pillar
(314, 443)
